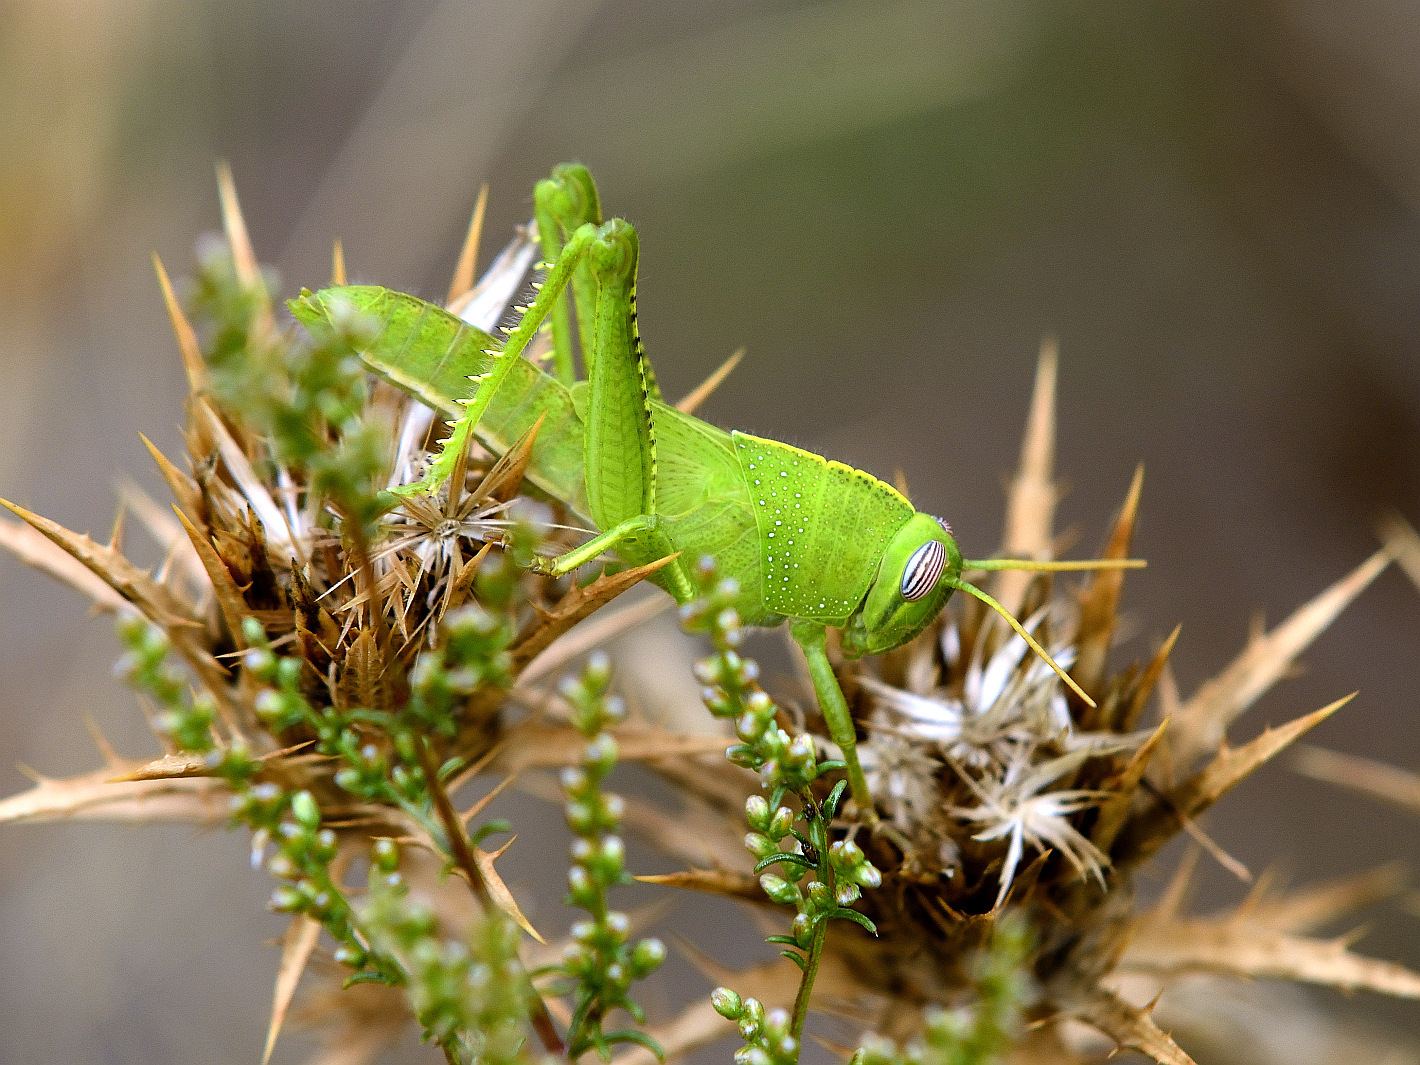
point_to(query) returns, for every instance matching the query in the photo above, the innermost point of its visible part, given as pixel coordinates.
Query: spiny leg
(562, 204)
(599, 544)
(813, 637)
(503, 360)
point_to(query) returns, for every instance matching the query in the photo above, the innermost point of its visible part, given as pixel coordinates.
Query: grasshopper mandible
(809, 541)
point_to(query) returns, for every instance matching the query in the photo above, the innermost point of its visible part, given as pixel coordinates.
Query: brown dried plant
(316, 626)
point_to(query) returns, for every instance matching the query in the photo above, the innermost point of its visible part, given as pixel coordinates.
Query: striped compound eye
(924, 567)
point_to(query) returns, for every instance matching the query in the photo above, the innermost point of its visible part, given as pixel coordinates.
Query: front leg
(813, 637)
(562, 204)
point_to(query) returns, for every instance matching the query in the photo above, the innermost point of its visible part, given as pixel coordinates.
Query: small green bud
(254, 631)
(876, 1050)
(581, 891)
(584, 931)
(597, 674)
(845, 892)
(288, 672)
(760, 846)
(614, 710)
(609, 861)
(581, 818)
(717, 702)
(780, 890)
(260, 661)
(286, 899)
(801, 752)
(385, 855)
(803, 930)
(776, 1025)
(349, 956)
(780, 823)
(617, 977)
(305, 810)
(727, 1004)
(947, 1027)
(757, 813)
(646, 957)
(600, 755)
(760, 707)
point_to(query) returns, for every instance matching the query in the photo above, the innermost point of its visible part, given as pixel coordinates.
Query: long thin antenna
(1029, 639)
(1051, 566)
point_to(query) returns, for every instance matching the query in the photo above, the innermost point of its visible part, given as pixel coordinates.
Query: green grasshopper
(809, 541)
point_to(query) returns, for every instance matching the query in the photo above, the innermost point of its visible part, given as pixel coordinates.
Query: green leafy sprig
(377, 752)
(601, 963)
(786, 766)
(289, 822)
(768, 1036)
(469, 995)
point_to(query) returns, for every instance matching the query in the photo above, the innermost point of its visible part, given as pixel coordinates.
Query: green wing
(823, 528)
(431, 354)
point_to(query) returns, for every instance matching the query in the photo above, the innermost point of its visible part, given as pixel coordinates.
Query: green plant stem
(806, 984)
(538, 1015)
(815, 951)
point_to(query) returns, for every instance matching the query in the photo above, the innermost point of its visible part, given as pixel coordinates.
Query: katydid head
(917, 574)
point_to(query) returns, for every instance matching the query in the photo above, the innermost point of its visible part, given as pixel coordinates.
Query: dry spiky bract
(350, 657)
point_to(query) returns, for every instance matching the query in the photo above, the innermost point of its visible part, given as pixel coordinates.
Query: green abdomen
(823, 528)
(701, 497)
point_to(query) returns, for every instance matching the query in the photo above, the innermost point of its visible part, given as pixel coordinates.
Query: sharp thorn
(468, 257)
(337, 264)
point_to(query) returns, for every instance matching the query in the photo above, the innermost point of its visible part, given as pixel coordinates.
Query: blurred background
(1213, 206)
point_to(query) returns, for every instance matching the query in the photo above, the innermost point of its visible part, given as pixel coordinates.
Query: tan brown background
(1213, 205)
